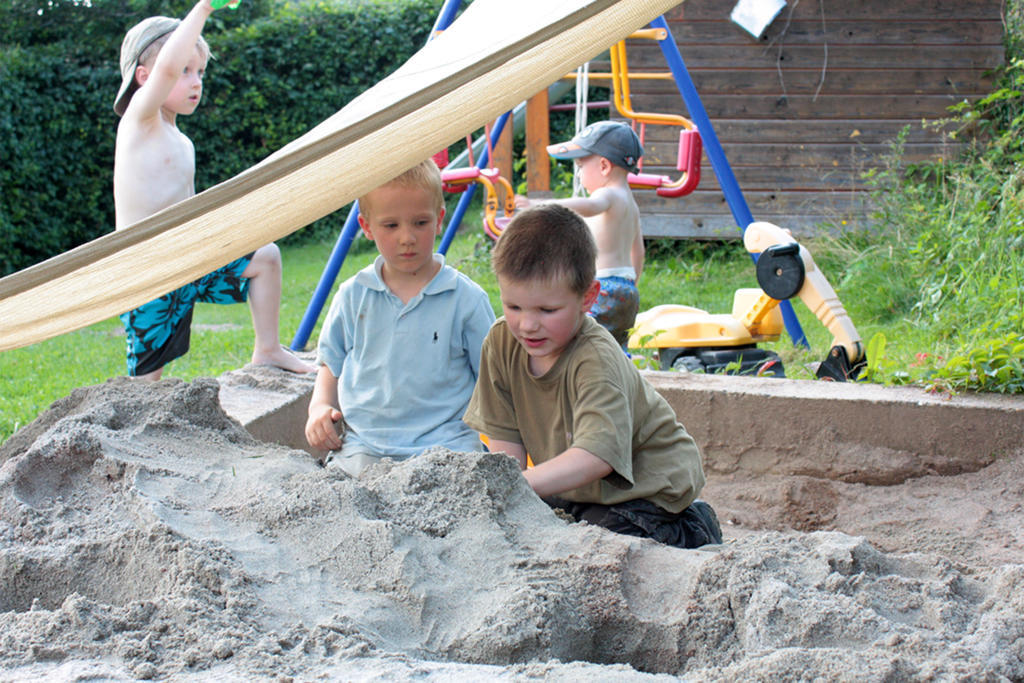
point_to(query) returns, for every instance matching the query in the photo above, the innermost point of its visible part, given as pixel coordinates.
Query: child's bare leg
(151, 376)
(264, 273)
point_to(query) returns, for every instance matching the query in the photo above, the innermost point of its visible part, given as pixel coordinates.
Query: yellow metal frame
(621, 96)
(491, 202)
(620, 77)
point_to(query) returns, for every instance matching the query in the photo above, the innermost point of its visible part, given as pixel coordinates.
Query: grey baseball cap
(138, 38)
(613, 140)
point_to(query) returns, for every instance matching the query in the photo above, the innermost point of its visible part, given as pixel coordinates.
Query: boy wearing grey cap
(605, 153)
(163, 61)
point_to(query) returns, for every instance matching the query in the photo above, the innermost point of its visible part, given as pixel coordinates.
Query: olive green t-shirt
(593, 398)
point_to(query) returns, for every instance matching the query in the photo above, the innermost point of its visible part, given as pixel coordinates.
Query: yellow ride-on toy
(694, 340)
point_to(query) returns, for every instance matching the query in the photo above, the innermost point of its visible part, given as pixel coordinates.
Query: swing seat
(688, 161)
(648, 181)
(458, 179)
(494, 227)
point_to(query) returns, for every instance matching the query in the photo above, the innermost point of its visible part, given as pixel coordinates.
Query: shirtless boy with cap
(605, 153)
(162, 65)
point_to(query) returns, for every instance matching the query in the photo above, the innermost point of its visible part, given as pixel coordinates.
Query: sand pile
(144, 533)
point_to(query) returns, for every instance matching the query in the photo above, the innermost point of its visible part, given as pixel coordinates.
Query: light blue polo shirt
(406, 371)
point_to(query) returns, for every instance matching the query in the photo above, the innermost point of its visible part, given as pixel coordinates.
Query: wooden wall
(805, 110)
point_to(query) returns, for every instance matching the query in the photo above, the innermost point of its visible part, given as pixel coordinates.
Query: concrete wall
(849, 432)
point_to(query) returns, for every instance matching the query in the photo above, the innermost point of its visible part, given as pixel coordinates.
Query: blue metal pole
(327, 278)
(445, 17)
(716, 155)
(467, 196)
(456, 219)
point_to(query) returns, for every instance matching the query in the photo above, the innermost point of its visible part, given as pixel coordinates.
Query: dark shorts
(159, 332)
(616, 306)
(695, 526)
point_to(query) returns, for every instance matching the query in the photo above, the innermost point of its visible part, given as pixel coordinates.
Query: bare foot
(282, 358)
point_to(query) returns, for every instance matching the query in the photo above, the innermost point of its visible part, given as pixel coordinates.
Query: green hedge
(56, 168)
(279, 69)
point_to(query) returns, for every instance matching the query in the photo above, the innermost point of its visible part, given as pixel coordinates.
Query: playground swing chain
(582, 85)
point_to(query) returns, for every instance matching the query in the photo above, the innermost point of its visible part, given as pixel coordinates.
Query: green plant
(875, 353)
(995, 365)
(943, 268)
(645, 358)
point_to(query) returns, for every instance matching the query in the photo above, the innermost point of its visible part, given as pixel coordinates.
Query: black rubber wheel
(780, 271)
(688, 364)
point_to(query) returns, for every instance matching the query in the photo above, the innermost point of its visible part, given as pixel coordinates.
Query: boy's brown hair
(425, 175)
(547, 242)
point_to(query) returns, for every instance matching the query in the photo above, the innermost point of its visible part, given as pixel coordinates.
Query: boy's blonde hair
(550, 243)
(424, 175)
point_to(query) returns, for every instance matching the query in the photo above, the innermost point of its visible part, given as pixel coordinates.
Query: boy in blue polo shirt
(399, 352)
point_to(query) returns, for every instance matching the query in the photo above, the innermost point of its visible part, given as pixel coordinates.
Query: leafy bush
(948, 256)
(56, 175)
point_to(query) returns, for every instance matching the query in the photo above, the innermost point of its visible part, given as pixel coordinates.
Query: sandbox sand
(144, 534)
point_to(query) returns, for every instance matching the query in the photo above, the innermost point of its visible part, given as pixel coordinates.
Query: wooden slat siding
(763, 178)
(860, 10)
(708, 215)
(774, 203)
(819, 130)
(825, 106)
(851, 32)
(818, 155)
(861, 57)
(721, 227)
(798, 145)
(848, 176)
(852, 82)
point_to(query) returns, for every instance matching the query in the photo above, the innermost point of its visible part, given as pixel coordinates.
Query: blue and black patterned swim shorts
(159, 332)
(616, 306)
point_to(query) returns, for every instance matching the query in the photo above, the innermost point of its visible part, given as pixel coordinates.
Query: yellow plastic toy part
(488, 177)
(675, 325)
(755, 315)
(816, 292)
(493, 224)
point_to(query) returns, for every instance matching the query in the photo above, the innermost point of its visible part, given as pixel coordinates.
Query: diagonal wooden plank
(494, 56)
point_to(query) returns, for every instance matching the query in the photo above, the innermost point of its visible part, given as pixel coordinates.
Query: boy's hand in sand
(522, 202)
(321, 429)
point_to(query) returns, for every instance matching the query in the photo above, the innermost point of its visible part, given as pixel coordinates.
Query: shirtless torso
(154, 168)
(610, 211)
(617, 230)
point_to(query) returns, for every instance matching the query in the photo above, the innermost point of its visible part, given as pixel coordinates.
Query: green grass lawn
(936, 292)
(31, 378)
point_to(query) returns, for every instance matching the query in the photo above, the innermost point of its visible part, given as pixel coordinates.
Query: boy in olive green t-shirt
(553, 383)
